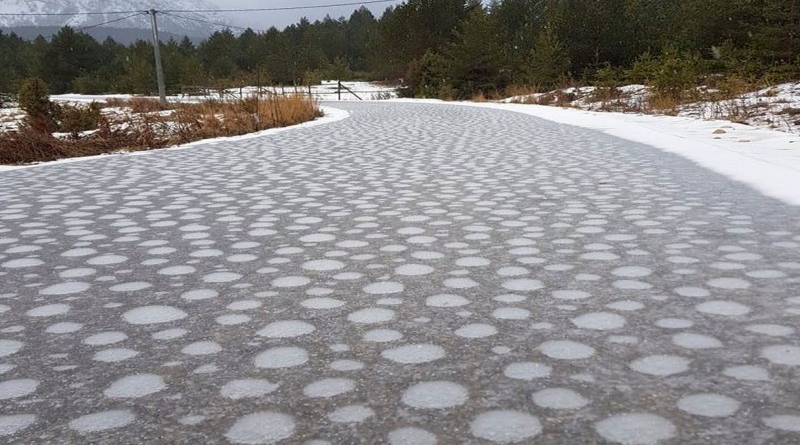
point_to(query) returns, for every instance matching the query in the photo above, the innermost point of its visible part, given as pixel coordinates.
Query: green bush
(671, 75)
(75, 119)
(34, 99)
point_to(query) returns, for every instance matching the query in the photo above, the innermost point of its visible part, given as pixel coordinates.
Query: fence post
(339, 89)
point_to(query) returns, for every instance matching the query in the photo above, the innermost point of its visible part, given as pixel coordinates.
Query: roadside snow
(326, 91)
(331, 115)
(767, 160)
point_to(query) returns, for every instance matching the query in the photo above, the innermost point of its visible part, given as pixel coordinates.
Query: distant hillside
(191, 24)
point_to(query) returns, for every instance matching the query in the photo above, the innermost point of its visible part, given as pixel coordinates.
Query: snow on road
(766, 160)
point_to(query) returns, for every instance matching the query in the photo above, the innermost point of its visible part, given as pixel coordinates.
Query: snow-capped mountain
(187, 24)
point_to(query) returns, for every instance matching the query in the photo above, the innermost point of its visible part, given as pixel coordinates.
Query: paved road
(413, 274)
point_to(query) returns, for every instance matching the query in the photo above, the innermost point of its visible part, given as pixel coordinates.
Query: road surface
(414, 274)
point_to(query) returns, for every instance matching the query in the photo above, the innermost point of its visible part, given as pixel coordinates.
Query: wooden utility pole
(162, 89)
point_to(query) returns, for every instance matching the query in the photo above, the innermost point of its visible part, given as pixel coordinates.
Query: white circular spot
(382, 336)
(632, 272)
(414, 269)
(783, 423)
(709, 405)
(317, 238)
(9, 347)
(636, 429)
(322, 303)
(202, 348)
(199, 294)
(48, 310)
(523, 285)
(782, 354)
(12, 389)
(729, 283)
(221, 277)
(72, 287)
(413, 354)
(114, 355)
(105, 338)
(511, 313)
(692, 292)
(153, 315)
(291, 282)
(134, 386)
(472, 262)
(695, 341)
(527, 371)
(10, 425)
(246, 388)
(130, 287)
(64, 328)
(571, 295)
(435, 395)
(102, 421)
(22, 262)
(264, 427)
(326, 388)
(674, 323)
(566, 350)
(559, 398)
(476, 330)
(323, 265)
(601, 321)
(351, 414)
(724, 308)
(446, 300)
(505, 426)
(747, 373)
(383, 287)
(177, 270)
(105, 260)
(773, 330)
(661, 365)
(371, 316)
(281, 357)
(411, 436)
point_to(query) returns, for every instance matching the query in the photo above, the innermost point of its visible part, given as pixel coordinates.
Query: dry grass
(146, 128)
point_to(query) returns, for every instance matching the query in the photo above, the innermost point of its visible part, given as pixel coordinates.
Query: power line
(284, 8)
(109, 21)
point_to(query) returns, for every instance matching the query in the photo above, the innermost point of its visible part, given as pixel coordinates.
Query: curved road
(411, 274)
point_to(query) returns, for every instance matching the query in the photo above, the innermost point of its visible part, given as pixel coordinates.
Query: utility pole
(162, 90)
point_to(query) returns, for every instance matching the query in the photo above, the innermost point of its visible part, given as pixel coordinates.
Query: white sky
(280, 19)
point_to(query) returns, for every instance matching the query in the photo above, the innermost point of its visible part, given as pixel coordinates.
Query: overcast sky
(280, 19)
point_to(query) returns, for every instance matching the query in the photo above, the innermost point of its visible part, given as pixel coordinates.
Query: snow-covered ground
(766, 160)
(775, 108)
(326, 91)
(331, 115)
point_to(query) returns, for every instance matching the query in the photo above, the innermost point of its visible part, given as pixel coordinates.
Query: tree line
(445, 48)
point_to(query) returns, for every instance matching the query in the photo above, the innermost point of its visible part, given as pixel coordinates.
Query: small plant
(381, 95)
(34, 99)
(75, 119)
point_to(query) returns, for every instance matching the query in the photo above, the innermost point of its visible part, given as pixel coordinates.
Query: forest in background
(450, 49)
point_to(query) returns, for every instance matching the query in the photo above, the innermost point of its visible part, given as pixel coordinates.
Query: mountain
(189, 23)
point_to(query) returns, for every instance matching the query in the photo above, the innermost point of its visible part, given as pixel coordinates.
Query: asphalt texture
(414, 274)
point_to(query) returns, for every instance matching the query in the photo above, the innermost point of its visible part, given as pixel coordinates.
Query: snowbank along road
(413, 274)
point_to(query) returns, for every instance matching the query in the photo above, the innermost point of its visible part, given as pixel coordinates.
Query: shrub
(75, 119)
(34, 100)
